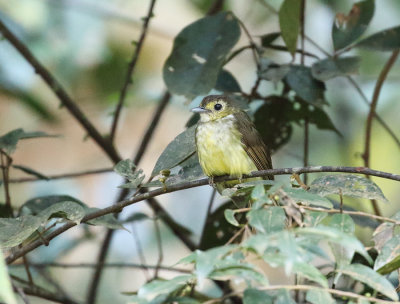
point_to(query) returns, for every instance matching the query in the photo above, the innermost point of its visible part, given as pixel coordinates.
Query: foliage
(296, 228)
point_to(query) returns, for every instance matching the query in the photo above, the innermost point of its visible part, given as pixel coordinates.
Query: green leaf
(313, 218)
(307, 198)
(126, 168)
(198, 54)
(36, 205)
(289, 22)
(373, 279)
(181, 148)
(268, 39)
(227, 83)
(310, 272)
(136, 217)
(300, 80)
(346, 29)
(388, 259)
(336, 236)
(284, 297)
(347, 184)
(157, 287)
(6, 291)
(334, 67)
(108, 220)
(207, 261)
(345, 224)
(239, 271)
(318, 296)
(8, 142)
(31, 171)
(13, 231)
(387, 40)
(230, 217)
(271, 71)
(218, 230)
(255, 296)
(267, 220)
(67, 210)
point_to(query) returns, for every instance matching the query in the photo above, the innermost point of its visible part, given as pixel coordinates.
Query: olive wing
(253, 144)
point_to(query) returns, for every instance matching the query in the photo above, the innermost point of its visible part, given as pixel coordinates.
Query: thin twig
(21, 293)
(339, 293)
(6, 161)
(62, 95)
(28, 272)
(139, 248)
(160, 249)
(371, 114)
(377, 117)
(131, 69)
(60, 176)
(192, 184)
(166, 97)
(124, 192)
(207, 219)
(252, 43)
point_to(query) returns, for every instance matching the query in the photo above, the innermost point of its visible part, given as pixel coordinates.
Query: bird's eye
(218, 106)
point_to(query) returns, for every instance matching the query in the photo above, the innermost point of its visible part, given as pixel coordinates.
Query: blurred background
(87, 45)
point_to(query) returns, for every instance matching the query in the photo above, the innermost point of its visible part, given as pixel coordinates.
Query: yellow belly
(220, 149)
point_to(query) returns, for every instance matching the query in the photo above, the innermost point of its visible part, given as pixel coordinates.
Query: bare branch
(107, 265)
(187, 185)
(131, 68)
(61, 176)
(62, 95)
(371, 114)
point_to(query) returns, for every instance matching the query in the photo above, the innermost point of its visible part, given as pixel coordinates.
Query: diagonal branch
(371, 114)
(60, 92)
(187, 185)
(129, 73)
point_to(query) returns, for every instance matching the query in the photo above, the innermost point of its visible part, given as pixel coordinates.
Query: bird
(227, 141)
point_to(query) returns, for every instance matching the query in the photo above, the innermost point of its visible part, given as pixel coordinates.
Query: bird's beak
(199, 110)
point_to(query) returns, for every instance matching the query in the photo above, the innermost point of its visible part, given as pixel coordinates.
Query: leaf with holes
(180, 149)
(347, 184)
(289, 22)
(373, 279)
(198, 54)
(334, 67)
(348, 28)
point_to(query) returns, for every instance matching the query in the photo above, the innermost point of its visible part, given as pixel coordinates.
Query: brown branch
(61, 176)
(107, 265)
(377, 117)
(187, 185)
(131, 68)
(60, 92)
(6, 161)
(159, 246)
(152, 202)
(371, 114)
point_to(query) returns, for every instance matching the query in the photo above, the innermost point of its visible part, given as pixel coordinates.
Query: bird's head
(215, 107)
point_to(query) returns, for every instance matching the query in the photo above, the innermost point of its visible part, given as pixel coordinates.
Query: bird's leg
(211, 181)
